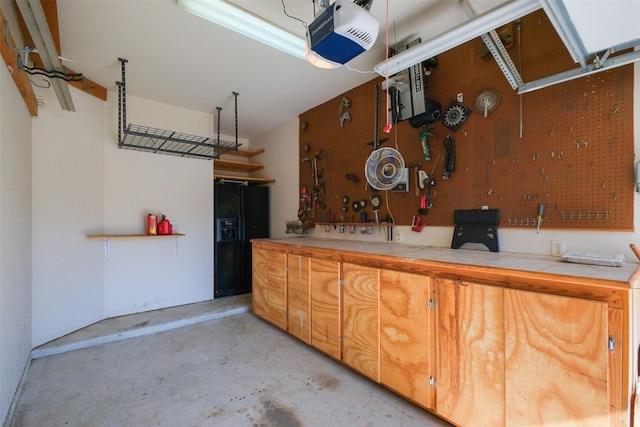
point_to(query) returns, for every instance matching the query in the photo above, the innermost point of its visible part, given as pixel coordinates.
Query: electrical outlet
(398, 236)
(557, 247)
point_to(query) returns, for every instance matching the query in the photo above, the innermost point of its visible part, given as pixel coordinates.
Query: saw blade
(487, 101)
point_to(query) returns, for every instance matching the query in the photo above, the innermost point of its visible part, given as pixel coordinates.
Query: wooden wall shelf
(107, 238)
(131, 236)
(228, 165)
(245, 153)
(249, 179)
(240, 167)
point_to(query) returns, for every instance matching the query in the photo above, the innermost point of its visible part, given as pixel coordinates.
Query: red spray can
(152, 225)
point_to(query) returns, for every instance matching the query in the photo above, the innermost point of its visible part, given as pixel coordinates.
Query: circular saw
(455, 116)
(487, 101)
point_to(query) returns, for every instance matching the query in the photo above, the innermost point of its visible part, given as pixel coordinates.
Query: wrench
(345, 117)
(344, 103)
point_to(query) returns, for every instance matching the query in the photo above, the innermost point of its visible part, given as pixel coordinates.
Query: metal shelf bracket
(145, 138)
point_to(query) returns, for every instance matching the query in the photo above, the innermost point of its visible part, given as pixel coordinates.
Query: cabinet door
(556, 360)
(260, 282)
(470, 353)
(277, 299)
(298, 302)
(324, 276)
(360, 347)
(269, 286)
(405, 335)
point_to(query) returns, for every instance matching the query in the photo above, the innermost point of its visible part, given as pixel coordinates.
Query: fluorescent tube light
(244, 22)
(557, 14)
(36, 22)
(483, 24)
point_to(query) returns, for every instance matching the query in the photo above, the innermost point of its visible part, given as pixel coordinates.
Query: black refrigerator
(241, 213)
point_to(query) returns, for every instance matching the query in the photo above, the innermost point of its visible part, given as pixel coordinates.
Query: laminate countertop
(466, 257)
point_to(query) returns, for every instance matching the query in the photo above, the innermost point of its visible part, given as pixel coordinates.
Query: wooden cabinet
(360, 286)
(269, 286)
(406, 352)
(476, 345)
(470, 353)
(298, 294)
(549, 354)
(325, 305)
(557, 359)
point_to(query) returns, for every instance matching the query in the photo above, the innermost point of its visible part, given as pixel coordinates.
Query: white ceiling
(180, 59)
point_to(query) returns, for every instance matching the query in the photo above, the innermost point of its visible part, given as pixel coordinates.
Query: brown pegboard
(575, 154)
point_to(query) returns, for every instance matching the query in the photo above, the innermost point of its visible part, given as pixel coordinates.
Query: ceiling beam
(50, 8)
(20, 77)
(36, 22)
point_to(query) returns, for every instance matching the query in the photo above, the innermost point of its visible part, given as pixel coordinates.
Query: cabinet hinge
(286, 269)
(612, 344)
(341, 339)
(432, 304)
(340, 282)
(433, 382)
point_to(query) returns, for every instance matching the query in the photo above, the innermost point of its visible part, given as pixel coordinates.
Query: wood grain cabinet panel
(269, 286)
(360, 319)
(556, 360)
(470, 353)
(405, 335)
(324, 276)
(476, 346)
(260, 282)
(298, 301)
(277, 299)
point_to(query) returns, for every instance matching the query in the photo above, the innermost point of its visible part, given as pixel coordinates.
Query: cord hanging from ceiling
(388, 126)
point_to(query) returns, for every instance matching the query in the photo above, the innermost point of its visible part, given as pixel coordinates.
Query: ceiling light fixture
(339, 32)
(36, 22)
(244, 22)
(557, 14)
(476, 27)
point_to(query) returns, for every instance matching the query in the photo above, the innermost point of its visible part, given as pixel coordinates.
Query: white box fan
(384, 168)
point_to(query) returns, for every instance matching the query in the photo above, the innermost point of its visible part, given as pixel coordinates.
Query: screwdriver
(540, 212)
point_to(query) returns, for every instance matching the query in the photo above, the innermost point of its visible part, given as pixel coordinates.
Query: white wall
(282, 162)
(15, 238)
(68, 201)
(144, 275)
(84, 184)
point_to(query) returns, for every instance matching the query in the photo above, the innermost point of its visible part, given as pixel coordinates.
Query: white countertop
(485, 258)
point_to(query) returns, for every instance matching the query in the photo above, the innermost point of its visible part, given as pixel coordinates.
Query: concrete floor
(206, 364)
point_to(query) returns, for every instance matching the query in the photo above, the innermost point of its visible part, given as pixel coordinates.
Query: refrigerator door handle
(241, 217)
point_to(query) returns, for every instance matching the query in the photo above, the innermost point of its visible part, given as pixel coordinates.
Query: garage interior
(564, 137)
